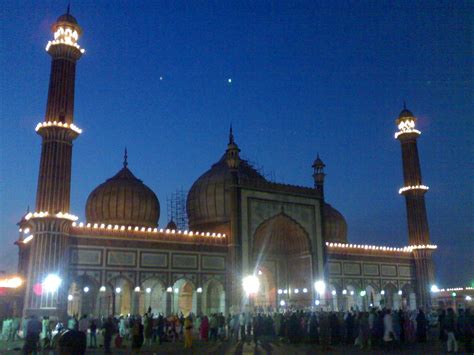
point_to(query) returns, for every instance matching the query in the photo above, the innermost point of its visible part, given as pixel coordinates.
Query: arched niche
(284, 243)
(184, 297)
(152, 295)
(213, 298)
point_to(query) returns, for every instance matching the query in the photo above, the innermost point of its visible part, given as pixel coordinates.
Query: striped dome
(123, 200)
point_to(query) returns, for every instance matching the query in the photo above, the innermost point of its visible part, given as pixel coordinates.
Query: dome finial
(231, 135)
(125, 158)
(68, 7)
(404, 105)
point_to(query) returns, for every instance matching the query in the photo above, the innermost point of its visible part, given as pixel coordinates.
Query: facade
(119, 261)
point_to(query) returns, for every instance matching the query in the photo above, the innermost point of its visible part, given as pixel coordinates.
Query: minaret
(58, 130)
(414, 192)
(234, 277)
(46, 276)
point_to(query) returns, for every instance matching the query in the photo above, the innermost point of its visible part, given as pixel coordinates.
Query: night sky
(307, 77)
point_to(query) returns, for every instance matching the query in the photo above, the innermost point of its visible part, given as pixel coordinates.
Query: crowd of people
(381, 328)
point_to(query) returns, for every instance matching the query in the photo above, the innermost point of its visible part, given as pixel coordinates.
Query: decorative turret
(414, 192)
(232, 153)
(318, 175)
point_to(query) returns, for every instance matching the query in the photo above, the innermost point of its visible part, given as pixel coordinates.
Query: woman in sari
(204, 330)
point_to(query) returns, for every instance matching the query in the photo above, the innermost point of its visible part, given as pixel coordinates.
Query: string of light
(71, 126)
(406, 249)
(122, 228)
(415, 187)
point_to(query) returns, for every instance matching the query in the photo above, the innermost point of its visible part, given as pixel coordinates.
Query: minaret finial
(231, 135)
(68, 7)
(404, 105)
(125, 158)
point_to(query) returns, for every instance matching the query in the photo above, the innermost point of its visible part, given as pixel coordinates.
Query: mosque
(244, 231)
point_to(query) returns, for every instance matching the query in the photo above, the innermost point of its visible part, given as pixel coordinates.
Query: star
(229, 81)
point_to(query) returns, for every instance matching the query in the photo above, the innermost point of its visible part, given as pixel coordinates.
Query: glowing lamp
(352, 293)
(51, 283)
(320, 286)
(280, 291)
(118, 290)
(282, 303)
(70, 297)
(434, 289)
(305, 290)
(199, 290)
(137, 289)
(169, 289)
(454, 294)
(333, 292)
(363, 293)
(468, 298)
(382, 292)
(251, 284)
(102, 289)
(176, 290)
(297, 291)
(344, 292)
(86, 289)
(400, 292)
(317, 302)
(148, 290)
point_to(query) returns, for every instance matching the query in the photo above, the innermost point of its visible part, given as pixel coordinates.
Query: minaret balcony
(405, 189)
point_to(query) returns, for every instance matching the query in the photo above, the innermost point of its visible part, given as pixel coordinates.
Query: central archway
(282, 247)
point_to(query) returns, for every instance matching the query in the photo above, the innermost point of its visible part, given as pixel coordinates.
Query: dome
(335, 226)
(208, 202)
(405, 113)
(67, 18)
(171, 225)
(123, 200)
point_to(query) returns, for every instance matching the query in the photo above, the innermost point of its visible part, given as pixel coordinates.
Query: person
(349, 322)
(213, 327)
(33, 331)
(45, 333)
(137, 335)
(108, 328)
(364, 329)
(84, 325)
(204, 331)
(450, 329)
(468, 331)
(161, 324)
(421, 326)
(188, 332)
(148, 320)
(313, 329)
(388, 327)
(242, 326)
(93, 335)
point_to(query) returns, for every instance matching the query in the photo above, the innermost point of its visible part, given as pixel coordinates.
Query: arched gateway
(282, 258)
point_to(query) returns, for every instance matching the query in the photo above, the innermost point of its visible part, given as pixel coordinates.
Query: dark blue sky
(306, 78)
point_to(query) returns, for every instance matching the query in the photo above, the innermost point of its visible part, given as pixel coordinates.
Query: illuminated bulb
(317, 302)
(199, 290)
(352, 293)
(176, 290)
(169, 289)
(118, 290)
(102, 289)
(344, 292)
(148, 290)
(280, 291)
(297, 291)
(137, 289)
(282, 303)
(69, 297)
(305, 290)
(333, 292)
(285, 291)
(86, 289)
